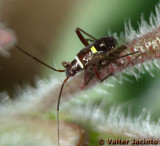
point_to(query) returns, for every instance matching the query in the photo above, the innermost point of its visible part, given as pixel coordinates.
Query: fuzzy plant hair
(34, 123)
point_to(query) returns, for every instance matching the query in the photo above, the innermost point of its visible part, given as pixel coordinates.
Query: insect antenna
(59, 98)
(36, 59)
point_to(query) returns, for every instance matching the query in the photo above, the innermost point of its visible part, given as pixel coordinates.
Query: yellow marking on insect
(93, 49)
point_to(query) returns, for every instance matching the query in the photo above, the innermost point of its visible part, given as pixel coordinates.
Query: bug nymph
(94, 53)
(90, 55)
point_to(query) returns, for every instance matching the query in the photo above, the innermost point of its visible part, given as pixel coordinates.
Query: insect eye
(72, 72)
(66, 64)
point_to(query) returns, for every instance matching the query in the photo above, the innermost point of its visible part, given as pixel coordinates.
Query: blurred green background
(46, 30)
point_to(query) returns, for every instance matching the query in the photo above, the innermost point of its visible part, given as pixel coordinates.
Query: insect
(94, 53)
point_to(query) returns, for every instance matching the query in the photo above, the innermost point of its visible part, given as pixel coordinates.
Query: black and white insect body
(90, 55)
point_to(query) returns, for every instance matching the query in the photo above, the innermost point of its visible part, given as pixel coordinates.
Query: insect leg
(127, 55)
(86, 33)
(59, 98)
(85, 76)
(90, 40)
(123, 55)
(36, 59)
(81, 37)
(106, 77)
(96, 72)
(117, 58)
